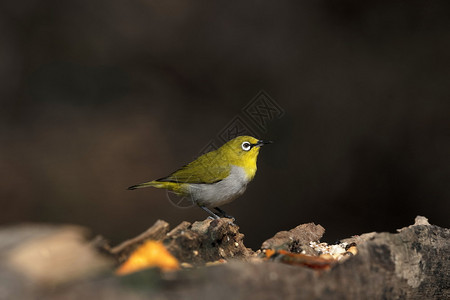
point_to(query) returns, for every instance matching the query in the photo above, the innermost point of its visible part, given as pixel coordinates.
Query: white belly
(222, 192)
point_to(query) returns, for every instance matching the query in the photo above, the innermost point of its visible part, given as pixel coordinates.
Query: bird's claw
(231, 223)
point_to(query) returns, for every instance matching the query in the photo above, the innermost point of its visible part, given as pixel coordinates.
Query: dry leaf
(148, 255)
(290, 258)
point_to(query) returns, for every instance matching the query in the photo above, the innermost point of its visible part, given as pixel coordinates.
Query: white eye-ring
(246, 146)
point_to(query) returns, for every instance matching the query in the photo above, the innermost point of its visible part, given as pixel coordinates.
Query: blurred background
(96, 96)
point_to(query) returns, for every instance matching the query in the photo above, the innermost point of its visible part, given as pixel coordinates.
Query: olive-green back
(211, 167)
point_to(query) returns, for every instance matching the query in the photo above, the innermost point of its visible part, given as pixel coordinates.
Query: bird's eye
(246, 146)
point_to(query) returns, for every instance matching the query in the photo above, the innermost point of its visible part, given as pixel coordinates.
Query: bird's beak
(261, 143)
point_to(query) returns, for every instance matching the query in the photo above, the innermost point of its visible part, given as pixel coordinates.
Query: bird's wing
(208, 168)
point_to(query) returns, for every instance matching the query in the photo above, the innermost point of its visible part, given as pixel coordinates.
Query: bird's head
(243, 151)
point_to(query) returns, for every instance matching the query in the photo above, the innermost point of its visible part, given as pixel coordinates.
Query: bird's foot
(230, 217)
(224, 214)
(221, 214)
(231, 223)
(211, 214)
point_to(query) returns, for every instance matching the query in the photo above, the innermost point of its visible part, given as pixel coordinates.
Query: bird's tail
(158, 184)
(144, 185)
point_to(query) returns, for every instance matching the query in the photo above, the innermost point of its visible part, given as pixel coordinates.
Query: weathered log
(413, 263)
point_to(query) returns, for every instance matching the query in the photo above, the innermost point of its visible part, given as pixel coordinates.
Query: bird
(214, 178)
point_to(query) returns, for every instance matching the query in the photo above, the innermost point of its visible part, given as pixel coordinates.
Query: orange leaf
(150, 254)
(290, 258)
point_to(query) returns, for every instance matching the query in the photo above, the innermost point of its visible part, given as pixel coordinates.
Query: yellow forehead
(244, 138)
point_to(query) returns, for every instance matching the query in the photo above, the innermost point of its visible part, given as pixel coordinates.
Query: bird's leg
(224, 214)
(213, 215)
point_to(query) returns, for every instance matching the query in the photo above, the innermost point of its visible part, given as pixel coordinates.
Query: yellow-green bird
(215, 178)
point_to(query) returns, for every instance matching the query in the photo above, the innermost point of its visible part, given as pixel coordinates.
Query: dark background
(99, 95)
